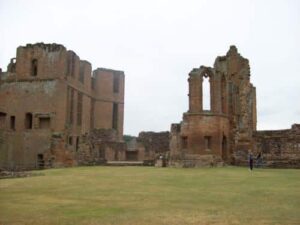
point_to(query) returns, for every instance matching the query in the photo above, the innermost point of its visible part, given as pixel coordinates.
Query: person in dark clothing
(250, 161)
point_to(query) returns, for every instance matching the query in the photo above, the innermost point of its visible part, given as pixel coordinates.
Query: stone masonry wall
(280, 148)
(47, 90)
(155, 143)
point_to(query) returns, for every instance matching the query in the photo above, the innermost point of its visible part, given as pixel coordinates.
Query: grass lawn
(148, 195)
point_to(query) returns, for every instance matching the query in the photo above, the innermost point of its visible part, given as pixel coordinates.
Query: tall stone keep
(50, 99)
(223, 130)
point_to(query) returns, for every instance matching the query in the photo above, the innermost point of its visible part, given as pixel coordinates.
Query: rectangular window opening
(207, 143)
(2, 119)
(115, 116)
(184, 142)
(79, 109)
(93, 83)
(116, 83)
(44, 122)
(77, 144)
(34, 67)
(70, 140)
(81, 73)
(28, 121)
(71, 110)
(13, 122)
(92, 113)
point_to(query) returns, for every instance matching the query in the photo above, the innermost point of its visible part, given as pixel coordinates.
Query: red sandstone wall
(51, 60)
(280, 148)
(231, 119)
(44, 88)
(106, 97)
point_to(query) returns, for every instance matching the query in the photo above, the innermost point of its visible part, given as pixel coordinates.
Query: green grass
(148, 195)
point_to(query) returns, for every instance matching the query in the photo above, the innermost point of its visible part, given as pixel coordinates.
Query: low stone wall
(195, 160)
(99, 146)
(155, 142)
(280, 148)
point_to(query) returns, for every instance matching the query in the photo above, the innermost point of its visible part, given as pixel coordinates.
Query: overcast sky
(157, 43)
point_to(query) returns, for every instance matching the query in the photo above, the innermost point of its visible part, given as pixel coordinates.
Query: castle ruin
(50, 101)
(56, 111)
(226, 131)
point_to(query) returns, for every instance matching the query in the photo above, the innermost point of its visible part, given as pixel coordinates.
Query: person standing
(250, 159)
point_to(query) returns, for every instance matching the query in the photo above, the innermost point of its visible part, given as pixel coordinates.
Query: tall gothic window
(206, 93)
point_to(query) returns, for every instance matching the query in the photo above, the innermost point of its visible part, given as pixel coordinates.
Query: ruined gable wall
(241, 101)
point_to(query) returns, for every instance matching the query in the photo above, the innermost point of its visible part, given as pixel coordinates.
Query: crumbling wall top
(203, 70)
(232, 51)
(100, 69)
(47, 47)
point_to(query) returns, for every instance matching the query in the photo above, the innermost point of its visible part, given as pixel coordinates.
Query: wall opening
(206, 93)
(223, 95)
(71, 105)
(207, 142)
(13, 122)
(101, 152)
(81, 73)
(184, 142)
(77, 144)
(79, 109)
(92, 113)
(44, 122)
(2, 120)
(224, 148)
(12, 66)
(34, 67)
(115, 116)
(71, 64)
(116, 157)
(40, 161)
(132, 155)
(116, 83)
(93, 83)
(70, 140)
(93, 80)
(28, 121)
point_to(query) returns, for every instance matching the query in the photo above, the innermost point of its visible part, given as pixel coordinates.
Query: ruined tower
(49, 99)
(217, 133)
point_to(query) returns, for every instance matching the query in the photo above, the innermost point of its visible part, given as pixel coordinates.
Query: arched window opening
(223, 95)
(34, 67)
(206, 93)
